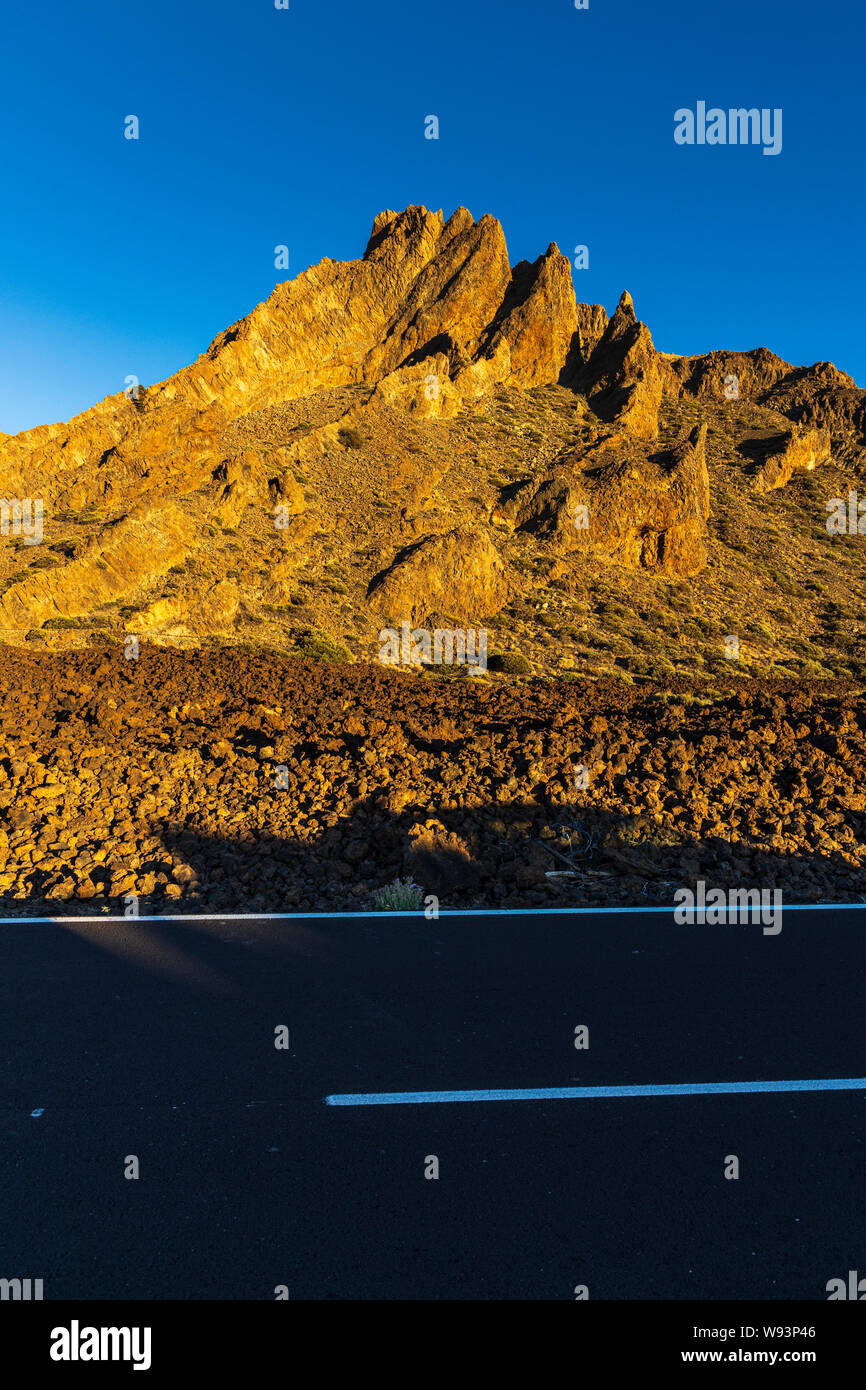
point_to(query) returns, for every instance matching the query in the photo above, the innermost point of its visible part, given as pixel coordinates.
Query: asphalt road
(156, 1039)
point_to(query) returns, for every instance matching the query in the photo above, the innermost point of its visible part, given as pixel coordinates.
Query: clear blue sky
(261, 126)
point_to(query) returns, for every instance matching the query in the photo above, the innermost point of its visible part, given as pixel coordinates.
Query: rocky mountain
(430, 435)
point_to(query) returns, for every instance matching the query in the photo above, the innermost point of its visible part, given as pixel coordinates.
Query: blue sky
(261, 127)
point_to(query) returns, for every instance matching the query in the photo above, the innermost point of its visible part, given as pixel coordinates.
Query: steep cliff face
(538, 320)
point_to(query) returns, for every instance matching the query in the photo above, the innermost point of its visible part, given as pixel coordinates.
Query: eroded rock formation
(618, 502)
(356, 402)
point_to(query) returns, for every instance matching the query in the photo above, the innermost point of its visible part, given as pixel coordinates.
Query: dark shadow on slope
(757, 450)
(530, 854)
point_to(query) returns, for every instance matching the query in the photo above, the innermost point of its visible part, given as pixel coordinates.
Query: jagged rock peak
(625, 308)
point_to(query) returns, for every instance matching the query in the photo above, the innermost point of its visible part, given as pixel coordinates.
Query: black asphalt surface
(156, 1039)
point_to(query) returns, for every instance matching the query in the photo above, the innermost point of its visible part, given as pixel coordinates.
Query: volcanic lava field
(225, 780)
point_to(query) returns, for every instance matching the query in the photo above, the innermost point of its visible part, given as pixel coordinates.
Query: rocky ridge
(411, 435)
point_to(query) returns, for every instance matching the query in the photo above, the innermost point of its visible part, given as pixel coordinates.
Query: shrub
(318, 646)
(646, 640)
(11, 579)
(401, 896)
(680, 598)
(509, 663)
(661, 670)
(707, 626)
(652, 669)
(611, 608)
(784, 582)
(89, 516)
(352, 438)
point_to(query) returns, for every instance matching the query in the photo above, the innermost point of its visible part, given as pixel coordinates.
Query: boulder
(460, 574)
(126, 557)
(802, 449)
(620, 503)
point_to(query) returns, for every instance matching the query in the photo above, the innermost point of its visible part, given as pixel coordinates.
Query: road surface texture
(155, 1040)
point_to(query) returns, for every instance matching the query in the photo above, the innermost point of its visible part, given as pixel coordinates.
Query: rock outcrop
(823, 397)
(458, 575)
(149, 541)
(352, 421)
(624, 377)
(729, 375)
(819, 396)
(538, 319)
(592, 321)
(802, 449)
(619, 503)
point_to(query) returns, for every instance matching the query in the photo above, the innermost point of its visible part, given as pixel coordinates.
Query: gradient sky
(262, 126)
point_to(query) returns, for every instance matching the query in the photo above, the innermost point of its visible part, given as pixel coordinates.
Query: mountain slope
(410, 437)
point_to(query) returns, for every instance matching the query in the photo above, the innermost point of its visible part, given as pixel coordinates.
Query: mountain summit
(424, 433)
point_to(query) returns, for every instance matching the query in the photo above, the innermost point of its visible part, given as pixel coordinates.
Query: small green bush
(318, 646)
(509, 663)
(401, 896)
(11, 579)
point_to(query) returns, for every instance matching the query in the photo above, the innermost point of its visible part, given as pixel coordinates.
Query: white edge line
(597, 1092)
(445, 912)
